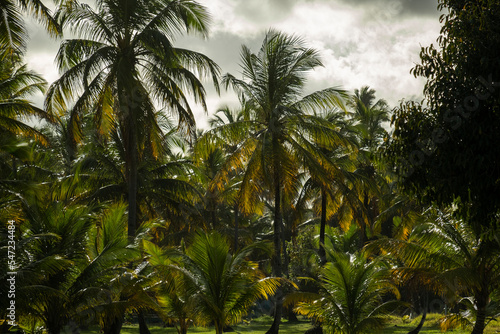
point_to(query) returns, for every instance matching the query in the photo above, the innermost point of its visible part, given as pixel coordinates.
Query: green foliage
(17, 84)
(444, 255)
(120, 67)
(351, 295)
(369, 117)
(222, 286)
(276, 115)
(13, 32)
(444, 148)
(284, 166)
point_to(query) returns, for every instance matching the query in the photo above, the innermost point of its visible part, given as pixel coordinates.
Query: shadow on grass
(396, 325)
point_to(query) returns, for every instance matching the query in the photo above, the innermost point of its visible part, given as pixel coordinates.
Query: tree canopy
(115, 208)
(445, 148)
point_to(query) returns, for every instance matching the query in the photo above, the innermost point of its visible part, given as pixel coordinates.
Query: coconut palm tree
(122, 66)
(279, 133)
(447, 256)
(351, 295)
(222, 286)
(17, 85)
(336, 192)
(13, 32)
(164, 187)
(176, 302)
(212, 162)
(368, 116)
(75, 265)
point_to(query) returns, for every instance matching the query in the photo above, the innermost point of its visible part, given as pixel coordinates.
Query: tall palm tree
(123, 65)
(369, 115)
(337, 188)
(280, 131)
(214, 161)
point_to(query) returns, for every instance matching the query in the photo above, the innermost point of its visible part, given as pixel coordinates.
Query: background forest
(331, 205)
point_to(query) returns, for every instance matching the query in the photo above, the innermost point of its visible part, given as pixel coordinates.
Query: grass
(396, 325)
(255, 326)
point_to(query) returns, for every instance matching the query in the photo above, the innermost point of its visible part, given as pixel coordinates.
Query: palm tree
(447, 256)
(175, 301)
(222, 286)
(75, 264)
(351, 295)
(123, 65)
(164, 187)
(13, 32)
(279, 133)
(212, 162)
(214, 201)
(336, 191)
(17, 85)
(49, 249)
(368, 116)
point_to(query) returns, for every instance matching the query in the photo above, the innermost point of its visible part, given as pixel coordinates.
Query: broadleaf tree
(445, 148)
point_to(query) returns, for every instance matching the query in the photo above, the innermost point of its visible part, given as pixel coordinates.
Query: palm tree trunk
(213, 211)
(219, 327)
(278, 312)
(14, 167)
(114, 327)
(286, 259)
(131, 162)
(481, 300)
(321, 250)
(417, 329)
(480, 323)
(362, 227)
(132, 200)
(143, 326)
(183, 326)
(236, 226)
(276, 260)
(362, 221)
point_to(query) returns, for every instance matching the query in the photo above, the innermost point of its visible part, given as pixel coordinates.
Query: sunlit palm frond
(351, 295)
(223, 286)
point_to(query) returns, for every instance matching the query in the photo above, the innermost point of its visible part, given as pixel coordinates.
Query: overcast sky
(361, 42)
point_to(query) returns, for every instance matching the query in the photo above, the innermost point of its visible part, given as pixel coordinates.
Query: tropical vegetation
(117, 212)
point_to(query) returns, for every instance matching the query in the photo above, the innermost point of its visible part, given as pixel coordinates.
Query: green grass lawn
(396, 325)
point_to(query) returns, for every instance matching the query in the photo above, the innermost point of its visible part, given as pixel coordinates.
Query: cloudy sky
(361, 42)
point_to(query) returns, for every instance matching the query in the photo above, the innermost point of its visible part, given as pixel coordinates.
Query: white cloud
(372, 43)
(361, 42)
